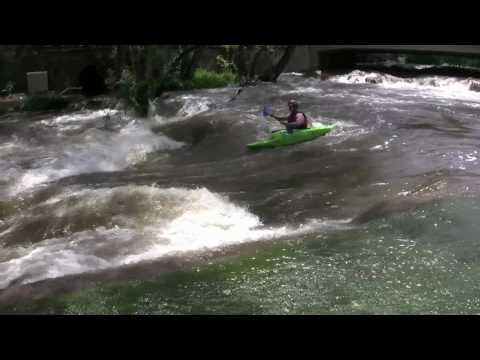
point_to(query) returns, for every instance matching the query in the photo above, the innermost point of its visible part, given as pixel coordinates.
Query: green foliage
(126, 86)
(171, 82)
(136, 94)
(141, 97)
(45, 102)
(204, 79)
(110, 80)
(225, 65)
(10, 87)
(154, 70)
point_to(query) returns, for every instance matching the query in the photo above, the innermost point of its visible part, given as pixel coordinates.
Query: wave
(181, 108)
(362, 77)
(93, 150)
(133, 224)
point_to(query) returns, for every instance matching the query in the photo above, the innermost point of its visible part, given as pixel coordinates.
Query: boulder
(474, 86)
(373, 79)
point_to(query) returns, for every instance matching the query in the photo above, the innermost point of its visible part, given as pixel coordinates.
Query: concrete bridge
(312, 57)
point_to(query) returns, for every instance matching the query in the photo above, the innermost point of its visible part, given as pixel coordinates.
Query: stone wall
(63, 66)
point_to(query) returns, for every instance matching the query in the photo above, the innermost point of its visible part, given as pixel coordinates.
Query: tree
(154, 69)
(274, 72)
(247, 60)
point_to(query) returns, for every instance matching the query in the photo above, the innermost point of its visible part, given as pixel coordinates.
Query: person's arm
(279, 118)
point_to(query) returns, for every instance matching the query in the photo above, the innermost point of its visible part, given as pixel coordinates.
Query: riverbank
(22, 103)
(11, 103)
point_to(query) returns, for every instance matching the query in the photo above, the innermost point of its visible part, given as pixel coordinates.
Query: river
(174, 215)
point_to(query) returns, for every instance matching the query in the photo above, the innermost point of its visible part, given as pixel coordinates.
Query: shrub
(204, 79)
(137, 94)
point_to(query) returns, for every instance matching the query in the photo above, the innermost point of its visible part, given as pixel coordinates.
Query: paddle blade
(267, 110)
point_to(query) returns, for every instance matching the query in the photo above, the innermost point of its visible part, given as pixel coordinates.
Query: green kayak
(283, 138)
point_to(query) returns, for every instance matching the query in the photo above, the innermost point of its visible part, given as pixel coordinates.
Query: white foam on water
(85, 119)
(439, 86)
(92, 151)
(161, 222)
(193, 105)
(9, 169)
(292, 74)
(10, 146)
(81, 117)
(302, 90)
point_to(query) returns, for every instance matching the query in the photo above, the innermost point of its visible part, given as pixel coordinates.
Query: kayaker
(296, 120)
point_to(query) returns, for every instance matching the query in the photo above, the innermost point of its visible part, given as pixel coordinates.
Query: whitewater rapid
(88, 227)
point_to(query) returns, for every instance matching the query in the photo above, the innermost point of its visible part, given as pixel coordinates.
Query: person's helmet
(293, 103)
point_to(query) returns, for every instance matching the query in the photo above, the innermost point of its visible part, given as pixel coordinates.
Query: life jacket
(293, 118)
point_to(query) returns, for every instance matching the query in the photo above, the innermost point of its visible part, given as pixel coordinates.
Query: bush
(10, 87)
(141, 97)
(44, 103)
(137, 94)
(225, 65)
(134, 93)
(204, 79)
(171, 83)
(126, 86)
